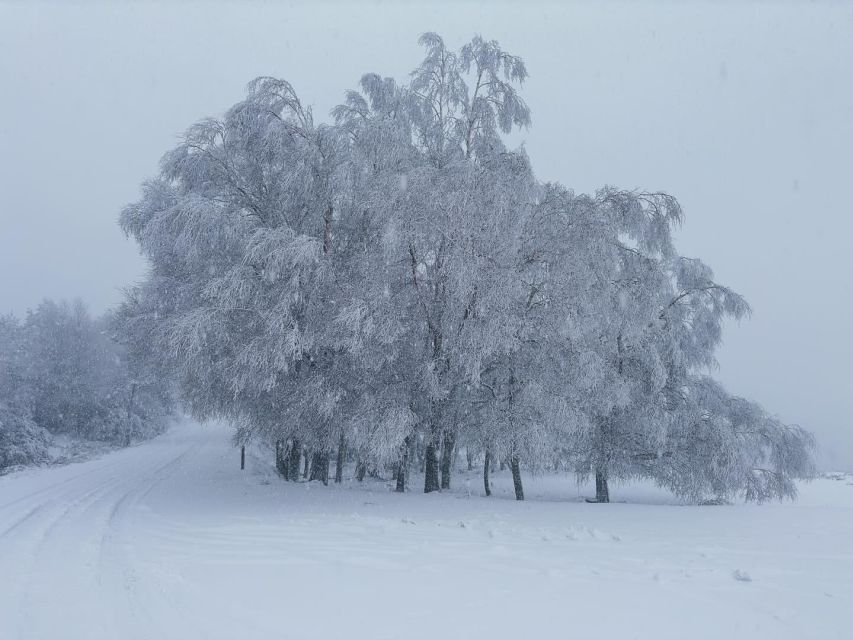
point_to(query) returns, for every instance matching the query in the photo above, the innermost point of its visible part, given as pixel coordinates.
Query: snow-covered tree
(62, 373)
(398, 280)
(22, 441)
(456, 228)
(719, 446)
(71, 368)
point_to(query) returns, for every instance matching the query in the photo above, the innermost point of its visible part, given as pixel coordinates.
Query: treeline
(397, 282)
(63, 372)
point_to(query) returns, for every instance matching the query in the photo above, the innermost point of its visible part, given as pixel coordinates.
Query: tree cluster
(396, 284)
(63, 372)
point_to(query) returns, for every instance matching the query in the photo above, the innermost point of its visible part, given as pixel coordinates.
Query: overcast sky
(743, 111)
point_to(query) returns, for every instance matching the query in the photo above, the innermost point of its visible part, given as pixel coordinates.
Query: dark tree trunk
(502, 465)
(327, 229)
(419, 454)
(339, 465)
(305, 466)
(469, 458)
(242, 457)
(360, 470)
(295, 454)
(320, 467)
(486, 465)
(516, 478)
(402, 469)
(602, 492)
(430, 469)
(447, 458)
(281, 460)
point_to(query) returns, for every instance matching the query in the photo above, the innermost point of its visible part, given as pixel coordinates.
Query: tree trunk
(320, 467)
(404, 465)
(516, 478)
(602, 492)
(447, 458)
(469, 458)
(242, 457)
(502, 464)
(129, 432)
(430, 469)
(304, 467)
(281, 460)
(327, 229)
(360, 470)
(486, 464)
(339, 466)
(295, 454)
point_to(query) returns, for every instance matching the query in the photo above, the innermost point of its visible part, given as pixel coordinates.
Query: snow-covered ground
(169, 539)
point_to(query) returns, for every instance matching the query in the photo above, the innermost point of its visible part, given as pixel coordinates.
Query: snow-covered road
(68, 535)
(169, 539)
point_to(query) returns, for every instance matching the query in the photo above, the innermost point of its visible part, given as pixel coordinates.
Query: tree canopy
(396, 279)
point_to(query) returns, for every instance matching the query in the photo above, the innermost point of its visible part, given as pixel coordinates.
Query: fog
(742, 111)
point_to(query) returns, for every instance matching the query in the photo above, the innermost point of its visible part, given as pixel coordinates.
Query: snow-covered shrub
(22, 441)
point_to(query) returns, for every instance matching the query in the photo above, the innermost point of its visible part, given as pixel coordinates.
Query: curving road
(68, 536)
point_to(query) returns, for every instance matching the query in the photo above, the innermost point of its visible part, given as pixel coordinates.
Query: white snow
(169, 539)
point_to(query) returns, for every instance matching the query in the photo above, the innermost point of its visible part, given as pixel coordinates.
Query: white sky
(743, 111)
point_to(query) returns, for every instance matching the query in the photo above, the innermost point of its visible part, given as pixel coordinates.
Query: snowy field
(169, 539)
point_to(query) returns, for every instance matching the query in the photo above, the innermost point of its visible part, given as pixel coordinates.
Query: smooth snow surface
(170, 540)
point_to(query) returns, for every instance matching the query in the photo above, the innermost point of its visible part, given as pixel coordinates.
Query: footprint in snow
(741, 576)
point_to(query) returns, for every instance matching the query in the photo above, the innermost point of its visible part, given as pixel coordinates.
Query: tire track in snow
(63, 483)
(47, 507)
(29, 515)
(62, 540)
(117, 568)
(36, 543)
